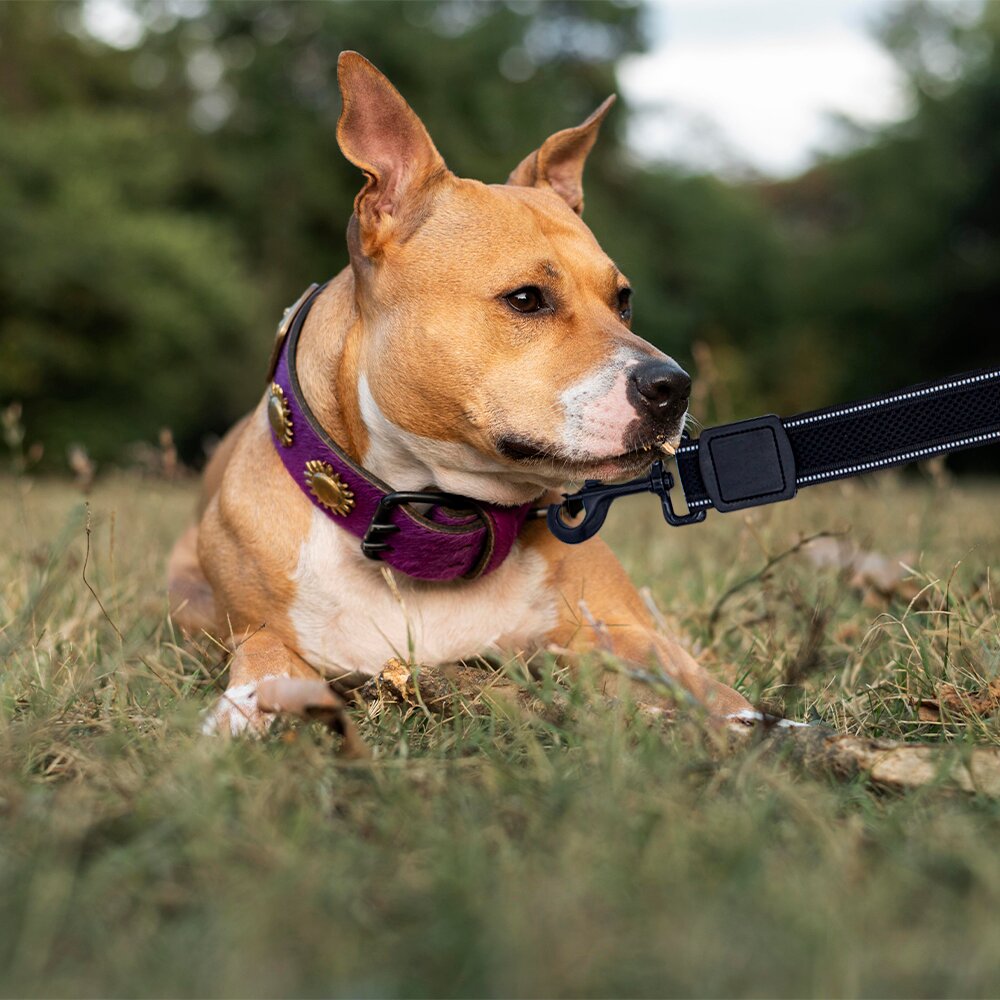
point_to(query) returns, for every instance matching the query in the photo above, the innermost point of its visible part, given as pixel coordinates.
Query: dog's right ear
(380, 134)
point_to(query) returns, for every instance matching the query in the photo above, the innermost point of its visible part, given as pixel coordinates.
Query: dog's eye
(625, 304)
(526, 300)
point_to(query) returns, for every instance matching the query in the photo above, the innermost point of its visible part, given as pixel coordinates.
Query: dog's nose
(663, 385)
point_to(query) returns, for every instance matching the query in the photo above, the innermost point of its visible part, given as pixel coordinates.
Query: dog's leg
(192, 604)
(600, 610)
(191, 599)
(260, 656)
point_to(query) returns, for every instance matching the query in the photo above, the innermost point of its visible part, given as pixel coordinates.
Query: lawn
(557, 846)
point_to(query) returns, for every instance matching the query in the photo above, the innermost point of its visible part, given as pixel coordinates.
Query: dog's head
(498, 350)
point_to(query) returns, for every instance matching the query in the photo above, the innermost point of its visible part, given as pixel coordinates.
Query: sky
(736, 84)
(732, 86)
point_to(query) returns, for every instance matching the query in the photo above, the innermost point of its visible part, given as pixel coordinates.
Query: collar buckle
(374, 543)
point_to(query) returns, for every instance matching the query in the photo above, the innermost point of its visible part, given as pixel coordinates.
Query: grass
(497, 851)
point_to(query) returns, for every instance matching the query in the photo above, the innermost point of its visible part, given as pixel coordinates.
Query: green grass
(500, 851)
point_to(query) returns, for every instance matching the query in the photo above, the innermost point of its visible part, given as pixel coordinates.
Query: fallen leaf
(985, 701)
(315, 701)
(876, 576)
(393, 683)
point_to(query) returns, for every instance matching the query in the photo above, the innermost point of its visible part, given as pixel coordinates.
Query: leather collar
(452, 538)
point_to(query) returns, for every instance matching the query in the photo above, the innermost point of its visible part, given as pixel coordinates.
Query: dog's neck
(328, 364)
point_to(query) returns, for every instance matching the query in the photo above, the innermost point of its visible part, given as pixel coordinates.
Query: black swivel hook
(596, 498)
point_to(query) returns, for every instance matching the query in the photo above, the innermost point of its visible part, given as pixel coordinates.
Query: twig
(651, 606)
(713, 618)
(83, 573)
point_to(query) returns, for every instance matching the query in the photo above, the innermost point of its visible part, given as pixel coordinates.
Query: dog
(479, 343)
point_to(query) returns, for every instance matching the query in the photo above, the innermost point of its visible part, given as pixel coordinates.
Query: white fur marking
(236, 711)
(413, 462)
(347, 619)
(598, 411)
(749, 715)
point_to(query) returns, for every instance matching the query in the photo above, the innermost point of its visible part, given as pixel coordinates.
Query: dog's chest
(348, 617)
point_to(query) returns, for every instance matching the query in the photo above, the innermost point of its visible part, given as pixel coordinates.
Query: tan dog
(478, 343)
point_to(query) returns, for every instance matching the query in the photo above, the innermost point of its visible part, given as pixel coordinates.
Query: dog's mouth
(553, 464)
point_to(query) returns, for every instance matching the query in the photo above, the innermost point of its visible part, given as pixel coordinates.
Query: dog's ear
(558, 162)
(380, 134)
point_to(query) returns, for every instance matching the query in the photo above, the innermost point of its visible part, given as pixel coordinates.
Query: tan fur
(414, 361)
(599, 606)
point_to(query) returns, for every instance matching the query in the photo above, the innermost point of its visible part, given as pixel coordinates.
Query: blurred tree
(120, 314)
(896, 247)
(170, 179)
(166, 191)
(120, 310)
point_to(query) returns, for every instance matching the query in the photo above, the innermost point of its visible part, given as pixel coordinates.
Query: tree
(897, 244)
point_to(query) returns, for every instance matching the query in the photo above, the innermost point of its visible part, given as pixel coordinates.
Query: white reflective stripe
(898, 398)
(909, 456)
(880, 463)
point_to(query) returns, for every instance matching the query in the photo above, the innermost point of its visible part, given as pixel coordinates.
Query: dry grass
(491, 849)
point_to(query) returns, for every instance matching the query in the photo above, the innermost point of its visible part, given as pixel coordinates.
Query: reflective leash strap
(765, 460)
(768, 459)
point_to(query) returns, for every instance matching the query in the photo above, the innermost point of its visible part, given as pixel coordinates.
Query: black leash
(768, 459)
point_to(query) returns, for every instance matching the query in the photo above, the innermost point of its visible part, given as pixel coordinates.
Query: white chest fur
(347, 617)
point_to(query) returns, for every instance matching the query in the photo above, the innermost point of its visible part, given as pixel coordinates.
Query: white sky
(733, 83)
(728, 84)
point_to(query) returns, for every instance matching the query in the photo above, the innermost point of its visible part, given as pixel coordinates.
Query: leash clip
(595, 500)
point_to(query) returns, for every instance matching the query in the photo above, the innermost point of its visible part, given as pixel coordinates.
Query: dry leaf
(954, 701)
(884, 763)
(394, 683)
(434, 687)
(312, 700)
(878, 577)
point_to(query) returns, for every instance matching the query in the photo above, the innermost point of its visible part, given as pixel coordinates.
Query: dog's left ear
(382, 135)
(558, 162)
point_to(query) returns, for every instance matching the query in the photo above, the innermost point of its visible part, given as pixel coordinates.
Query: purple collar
(456, 537)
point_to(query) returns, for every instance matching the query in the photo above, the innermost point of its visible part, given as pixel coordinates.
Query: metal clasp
(595, 500)
(669, 514)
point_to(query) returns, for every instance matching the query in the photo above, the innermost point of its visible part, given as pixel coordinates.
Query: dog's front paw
(237, 712)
